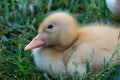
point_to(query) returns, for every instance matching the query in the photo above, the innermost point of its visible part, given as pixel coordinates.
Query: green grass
(19, 20)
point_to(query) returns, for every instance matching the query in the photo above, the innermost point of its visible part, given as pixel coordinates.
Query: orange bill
(35, 43)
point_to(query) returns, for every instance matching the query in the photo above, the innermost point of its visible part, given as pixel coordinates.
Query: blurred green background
(19, 20)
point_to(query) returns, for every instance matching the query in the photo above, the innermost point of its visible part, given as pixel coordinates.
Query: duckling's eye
(50, 28)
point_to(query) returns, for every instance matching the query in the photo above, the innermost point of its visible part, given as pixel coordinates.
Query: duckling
(114, 6)
(62, 46)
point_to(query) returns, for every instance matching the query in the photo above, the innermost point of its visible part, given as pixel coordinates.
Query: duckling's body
(103, 45)
(72, 47)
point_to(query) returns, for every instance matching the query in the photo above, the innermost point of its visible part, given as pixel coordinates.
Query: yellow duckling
(63, 46)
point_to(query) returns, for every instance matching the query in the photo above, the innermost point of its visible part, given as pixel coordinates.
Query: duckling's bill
(35, 43)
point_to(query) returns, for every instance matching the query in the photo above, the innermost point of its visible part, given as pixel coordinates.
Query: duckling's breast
(48, 63)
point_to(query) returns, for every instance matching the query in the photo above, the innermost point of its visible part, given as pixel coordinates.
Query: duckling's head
(58, 30)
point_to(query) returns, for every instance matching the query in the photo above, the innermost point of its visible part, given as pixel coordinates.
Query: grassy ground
(19, 20)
